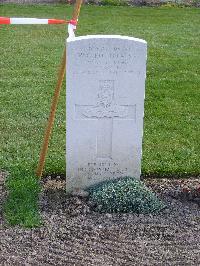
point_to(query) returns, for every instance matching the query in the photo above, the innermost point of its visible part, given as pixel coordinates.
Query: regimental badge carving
(106, 106)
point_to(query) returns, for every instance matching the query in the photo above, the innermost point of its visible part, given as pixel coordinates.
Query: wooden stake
(77, 9)
(54, 104)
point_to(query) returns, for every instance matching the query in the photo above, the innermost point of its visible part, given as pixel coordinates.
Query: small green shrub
(114, 3)
(124, 195)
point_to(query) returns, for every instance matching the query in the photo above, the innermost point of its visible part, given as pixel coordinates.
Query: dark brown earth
(75, 235)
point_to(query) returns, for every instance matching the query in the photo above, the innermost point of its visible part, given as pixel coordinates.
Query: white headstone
(105, 108)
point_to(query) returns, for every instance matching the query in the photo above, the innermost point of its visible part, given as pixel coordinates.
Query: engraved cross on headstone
(105, 111)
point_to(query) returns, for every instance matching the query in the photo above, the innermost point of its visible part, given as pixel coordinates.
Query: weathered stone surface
(105, 107)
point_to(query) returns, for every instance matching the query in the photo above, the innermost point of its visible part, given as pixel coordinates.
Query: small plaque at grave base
(105, 107)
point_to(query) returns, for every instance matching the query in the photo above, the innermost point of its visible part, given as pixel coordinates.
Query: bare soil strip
(75, 235)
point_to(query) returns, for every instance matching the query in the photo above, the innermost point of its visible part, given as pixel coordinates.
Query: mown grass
(30, 56)
(22, 204)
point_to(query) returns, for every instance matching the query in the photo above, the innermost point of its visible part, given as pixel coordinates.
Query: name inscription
(111, 59)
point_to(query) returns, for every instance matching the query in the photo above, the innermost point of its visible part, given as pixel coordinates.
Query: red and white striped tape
(6, 20)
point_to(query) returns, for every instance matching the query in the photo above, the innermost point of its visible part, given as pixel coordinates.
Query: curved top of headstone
(106, 37)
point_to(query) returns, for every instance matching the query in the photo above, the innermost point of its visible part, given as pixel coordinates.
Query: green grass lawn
(30, 56)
